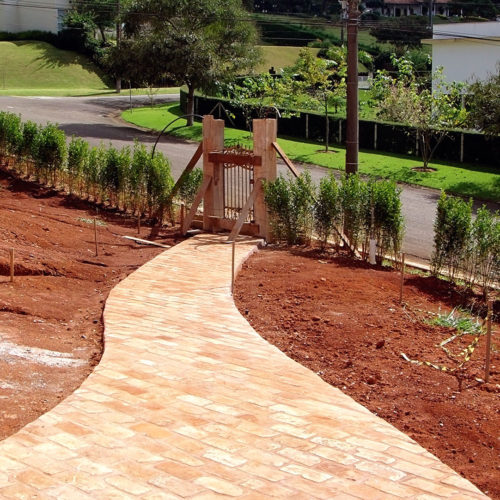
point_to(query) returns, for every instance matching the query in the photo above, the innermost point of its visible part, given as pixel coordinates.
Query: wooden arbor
(232, 192)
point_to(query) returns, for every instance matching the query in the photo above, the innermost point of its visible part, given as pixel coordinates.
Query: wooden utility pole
(118, 42)
(352, 137)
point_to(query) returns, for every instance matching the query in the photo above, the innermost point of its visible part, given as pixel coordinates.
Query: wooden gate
(238, 180)
(232, 193)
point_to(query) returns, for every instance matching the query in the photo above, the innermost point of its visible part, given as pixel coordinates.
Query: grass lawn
(31, 68)
(480, 182)
(38, 66)
(279, 57)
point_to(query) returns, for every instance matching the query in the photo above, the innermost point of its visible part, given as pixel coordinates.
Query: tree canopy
(403, 32)
(484, 104)
(431, 112)
(194, 42)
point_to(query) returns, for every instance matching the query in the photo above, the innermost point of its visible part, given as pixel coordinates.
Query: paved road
(96, 119)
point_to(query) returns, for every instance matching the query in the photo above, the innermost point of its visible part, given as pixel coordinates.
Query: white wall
(466, 51)
(31, 15)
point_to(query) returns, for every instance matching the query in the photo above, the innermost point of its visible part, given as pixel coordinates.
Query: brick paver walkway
(189, 402)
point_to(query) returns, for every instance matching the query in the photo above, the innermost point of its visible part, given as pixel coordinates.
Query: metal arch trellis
(194, 115)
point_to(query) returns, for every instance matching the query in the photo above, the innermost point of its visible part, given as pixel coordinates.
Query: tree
(484, 104)
(474, 8)
(322, 81)
(103, 13)
(403, 32)
(194, 42)
(431, 112)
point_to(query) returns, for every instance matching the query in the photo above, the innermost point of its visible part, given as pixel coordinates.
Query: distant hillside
(30, 67)
(279, 57)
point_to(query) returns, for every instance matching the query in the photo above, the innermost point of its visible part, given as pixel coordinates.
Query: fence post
(375, 131)
(307, 125)
(264, 134)
(213, 140)
(488, 341)
(461, 147)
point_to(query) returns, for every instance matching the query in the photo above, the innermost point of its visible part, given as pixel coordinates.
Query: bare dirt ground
(51, 327)
(342, 319)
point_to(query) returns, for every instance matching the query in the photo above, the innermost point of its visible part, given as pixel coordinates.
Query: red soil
(342, 319)
(51, 336)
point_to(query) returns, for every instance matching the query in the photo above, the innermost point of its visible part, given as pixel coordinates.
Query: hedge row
(465, 247)
(364, 210)
(128, 179)
(385, 137)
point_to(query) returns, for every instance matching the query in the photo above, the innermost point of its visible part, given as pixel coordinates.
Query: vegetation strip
(479, 182)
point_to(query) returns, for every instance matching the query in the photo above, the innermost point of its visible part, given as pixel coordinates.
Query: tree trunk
(190, 105)
(103, 36)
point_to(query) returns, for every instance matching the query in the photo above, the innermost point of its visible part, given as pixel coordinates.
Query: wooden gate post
(213, 203)
(264, 134)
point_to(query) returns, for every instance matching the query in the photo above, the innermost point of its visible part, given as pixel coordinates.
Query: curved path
(189, 402)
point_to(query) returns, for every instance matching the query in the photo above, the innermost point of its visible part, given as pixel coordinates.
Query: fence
(466, 147)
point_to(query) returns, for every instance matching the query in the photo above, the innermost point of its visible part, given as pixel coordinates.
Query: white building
(465, 51)
(25, 15)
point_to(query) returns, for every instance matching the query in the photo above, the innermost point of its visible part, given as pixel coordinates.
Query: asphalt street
(96, 119)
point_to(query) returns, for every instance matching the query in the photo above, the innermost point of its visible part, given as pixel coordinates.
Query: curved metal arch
(168, 125)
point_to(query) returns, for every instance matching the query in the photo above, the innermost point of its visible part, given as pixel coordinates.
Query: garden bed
(52, 329)
(342, 319)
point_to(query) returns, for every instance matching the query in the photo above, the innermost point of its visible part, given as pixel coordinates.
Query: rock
(380, 344)
(316, 318)
(371, 380)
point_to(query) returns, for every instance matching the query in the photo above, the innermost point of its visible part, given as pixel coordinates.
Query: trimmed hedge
(127, 179)
(385, 137)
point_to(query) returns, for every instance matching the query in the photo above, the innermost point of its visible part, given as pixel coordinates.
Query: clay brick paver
(189, 402)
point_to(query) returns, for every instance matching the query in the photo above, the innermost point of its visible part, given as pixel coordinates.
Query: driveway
(96, 120)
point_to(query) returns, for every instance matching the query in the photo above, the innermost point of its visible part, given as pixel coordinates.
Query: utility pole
(352, 136)
(118, 41)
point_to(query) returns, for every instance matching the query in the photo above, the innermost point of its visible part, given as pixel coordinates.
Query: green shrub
(482, 257)
(50, 152)
(10, 133)
(92, 174)
(290, 205)
(28, 146)
(138, 177)
(354, 199)
(386, 224)
(451, 234)
(78, 155)
(190, 186)
(159, 185)
(327, 209)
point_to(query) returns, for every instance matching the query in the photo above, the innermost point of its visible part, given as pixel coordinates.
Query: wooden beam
(234, 158)
(194, 207)
(285, 158)
(192, 162)
(146, 242)
(244, 214)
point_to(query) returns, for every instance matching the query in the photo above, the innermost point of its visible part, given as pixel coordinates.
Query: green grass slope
(36, 68)
(279, 57)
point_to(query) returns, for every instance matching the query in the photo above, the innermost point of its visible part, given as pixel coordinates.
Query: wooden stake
(488, 341)
(139, 223)
(232, 265)
(183, 210)
(95, 237)
(402, 278)
(11, 258)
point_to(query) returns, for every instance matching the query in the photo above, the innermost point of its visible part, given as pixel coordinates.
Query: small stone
(380, 344)
(316, 318)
